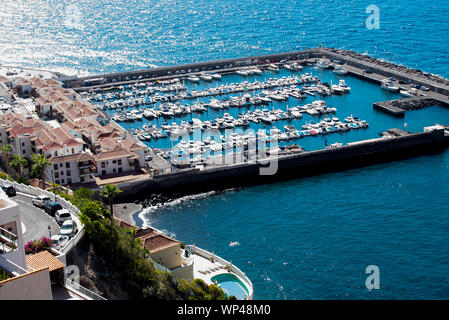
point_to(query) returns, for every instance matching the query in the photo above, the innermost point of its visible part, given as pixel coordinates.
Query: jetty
(398, 107)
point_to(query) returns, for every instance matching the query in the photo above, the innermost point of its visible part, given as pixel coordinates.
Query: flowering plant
(39, 245)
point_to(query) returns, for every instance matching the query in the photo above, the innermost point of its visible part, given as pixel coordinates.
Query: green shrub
(117, 245)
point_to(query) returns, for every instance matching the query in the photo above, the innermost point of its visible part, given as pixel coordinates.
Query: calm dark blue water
(309, 238)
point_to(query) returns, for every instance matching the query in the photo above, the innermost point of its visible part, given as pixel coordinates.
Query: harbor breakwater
(352, 155)
(370, 67)
(399, 106)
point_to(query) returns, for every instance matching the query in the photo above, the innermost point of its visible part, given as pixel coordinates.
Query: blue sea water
(309, 238)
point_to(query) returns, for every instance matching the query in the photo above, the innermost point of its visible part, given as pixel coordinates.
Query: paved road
(36, 220)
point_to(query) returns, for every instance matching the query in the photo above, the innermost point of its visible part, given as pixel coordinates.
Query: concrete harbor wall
(353, 155)
(171, 71)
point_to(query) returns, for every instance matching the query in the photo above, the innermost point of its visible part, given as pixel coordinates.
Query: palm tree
(19, 163)
(110, 192)
(40, 163)
(6, 151)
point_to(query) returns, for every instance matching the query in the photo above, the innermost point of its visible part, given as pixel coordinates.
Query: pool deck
(204, 269)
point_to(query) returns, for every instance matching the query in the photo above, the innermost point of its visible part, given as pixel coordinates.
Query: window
(73, 150)
(120, 162)
(62, 173)
(62, 181)
(55, 166)
(57, 181)
(114, 161)
(67, 164)
(56, 175)
(68, 173)
(61, 165)
(23, 151)
(23, 144)
(103, 172)
(113, 170)
(69, 181)
(119, 169)
(103, 165)
(82, 179)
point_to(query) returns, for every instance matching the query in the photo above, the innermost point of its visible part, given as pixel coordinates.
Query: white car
(59, 241)
(41, 200)
(68, 228)
(62, 215)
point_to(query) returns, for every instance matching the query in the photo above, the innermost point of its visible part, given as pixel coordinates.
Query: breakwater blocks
(399, 106)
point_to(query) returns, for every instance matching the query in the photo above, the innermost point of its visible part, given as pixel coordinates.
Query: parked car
(40, 201)
(59, 241)
(52, 207)
(68, 228)
(9, 190)
(62, 215)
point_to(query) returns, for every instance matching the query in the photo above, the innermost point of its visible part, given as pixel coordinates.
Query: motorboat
(193, 78)
(205, 77)
(342, 84)
(293, 66)
(340, 70)
(256, 71)
(409, 93)
(389, 85)
(273, 67)
(242, 72)
(322, 64)
(337, 89)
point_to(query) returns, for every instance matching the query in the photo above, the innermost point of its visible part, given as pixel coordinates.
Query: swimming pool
(231, 285)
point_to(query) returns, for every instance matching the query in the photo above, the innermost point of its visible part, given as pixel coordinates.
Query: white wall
(30, 286)
(9, 214)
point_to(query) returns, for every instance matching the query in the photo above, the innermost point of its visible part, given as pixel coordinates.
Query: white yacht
(193, 78)
(293, 66)
(256, 71)
(273, 67)
(242, 72)
(337, 89)
(340, 70)
(205, 77)
(216, 76)
(322, 64)
(409, 93)
(342, 84)
(389, 85)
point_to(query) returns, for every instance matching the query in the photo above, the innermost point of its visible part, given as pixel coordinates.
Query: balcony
(87, 171)
(8, 241)
(85, 165)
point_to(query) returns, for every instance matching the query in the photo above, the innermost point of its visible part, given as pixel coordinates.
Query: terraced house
(78, 139)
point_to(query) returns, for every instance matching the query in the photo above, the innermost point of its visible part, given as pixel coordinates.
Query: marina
(204, 118)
